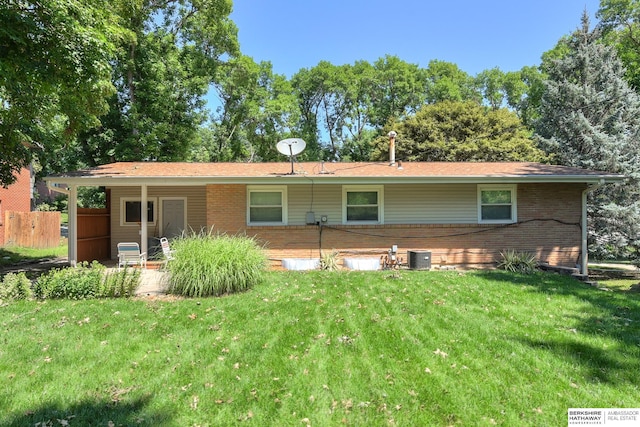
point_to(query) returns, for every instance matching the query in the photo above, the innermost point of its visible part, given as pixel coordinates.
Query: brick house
(463, 213)
(16, 197)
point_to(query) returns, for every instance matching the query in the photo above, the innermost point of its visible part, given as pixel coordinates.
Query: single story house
(463, 213)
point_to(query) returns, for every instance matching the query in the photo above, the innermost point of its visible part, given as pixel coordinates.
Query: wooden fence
(94, 234)
(32, 229)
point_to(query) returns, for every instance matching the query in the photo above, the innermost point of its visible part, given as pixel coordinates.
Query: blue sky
(474, 34)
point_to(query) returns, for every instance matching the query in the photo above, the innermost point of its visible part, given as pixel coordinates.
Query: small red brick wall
(16, 197)
(548, 225)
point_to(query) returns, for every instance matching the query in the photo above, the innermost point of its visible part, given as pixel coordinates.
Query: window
(497, 204)
(267, 205)
(362, 204)
(131, 211)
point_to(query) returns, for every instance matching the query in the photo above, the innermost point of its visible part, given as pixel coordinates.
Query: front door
(172, 217)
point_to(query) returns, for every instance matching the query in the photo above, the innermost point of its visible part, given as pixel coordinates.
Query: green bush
(208, 265)
(15, 286)
(517, 262)
(81, 282)
(86, 281)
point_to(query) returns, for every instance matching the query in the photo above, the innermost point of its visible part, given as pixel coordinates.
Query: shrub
(86, 281)
(208, 265)
(517, 262)
(15, 286)
(81, 282)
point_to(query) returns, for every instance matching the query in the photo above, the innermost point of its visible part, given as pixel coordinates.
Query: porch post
(143, 219)
(72, 238)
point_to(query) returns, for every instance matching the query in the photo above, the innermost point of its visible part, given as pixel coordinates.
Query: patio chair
(129, 255)
(166, 250)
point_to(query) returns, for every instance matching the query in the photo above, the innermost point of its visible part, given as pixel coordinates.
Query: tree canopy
(55, 74)
(161, 75)
(460, 131)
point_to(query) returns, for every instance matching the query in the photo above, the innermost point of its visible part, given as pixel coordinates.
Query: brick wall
(548, 225)
(16, 197)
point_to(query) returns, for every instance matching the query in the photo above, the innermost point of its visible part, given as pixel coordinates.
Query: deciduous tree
(55, 74)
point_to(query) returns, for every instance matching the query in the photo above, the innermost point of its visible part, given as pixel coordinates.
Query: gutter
(51, 186)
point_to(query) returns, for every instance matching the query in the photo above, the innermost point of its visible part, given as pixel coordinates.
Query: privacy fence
(32, 229)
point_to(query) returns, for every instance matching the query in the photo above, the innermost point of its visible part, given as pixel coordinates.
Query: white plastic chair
(166, 250)
(129, 254)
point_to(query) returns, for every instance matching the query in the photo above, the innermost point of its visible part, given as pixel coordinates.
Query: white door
(172, 217)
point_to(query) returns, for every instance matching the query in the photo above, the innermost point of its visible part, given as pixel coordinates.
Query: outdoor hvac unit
(419, 260)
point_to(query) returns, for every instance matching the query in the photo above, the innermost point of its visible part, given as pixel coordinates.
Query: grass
(327, 348)
(11, 255)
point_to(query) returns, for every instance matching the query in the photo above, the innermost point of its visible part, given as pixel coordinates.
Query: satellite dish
(291, 147)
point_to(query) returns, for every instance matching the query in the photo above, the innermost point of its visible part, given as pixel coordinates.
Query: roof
(164, 173)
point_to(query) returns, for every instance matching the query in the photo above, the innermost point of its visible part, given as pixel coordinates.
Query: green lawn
(12, 255)
(327, 348)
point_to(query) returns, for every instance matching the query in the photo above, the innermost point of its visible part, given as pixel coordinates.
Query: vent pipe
(392, 148)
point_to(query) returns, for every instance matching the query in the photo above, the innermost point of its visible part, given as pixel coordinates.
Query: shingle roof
(405, 171)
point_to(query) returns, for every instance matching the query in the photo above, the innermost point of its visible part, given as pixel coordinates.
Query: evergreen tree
(451, 131)
(590, 118)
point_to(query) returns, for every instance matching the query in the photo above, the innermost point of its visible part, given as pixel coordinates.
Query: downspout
(72, 239)
(584, 270)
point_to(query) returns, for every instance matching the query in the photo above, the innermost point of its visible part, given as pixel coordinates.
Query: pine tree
(590, 118)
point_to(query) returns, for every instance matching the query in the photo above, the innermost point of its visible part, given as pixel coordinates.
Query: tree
(460, 131)
(399, 89)
(590, 118)
(258, 108)
(54, 74)
(161, 74)
(523, 91)
(620, 22)
(491, 84)
(446, 82)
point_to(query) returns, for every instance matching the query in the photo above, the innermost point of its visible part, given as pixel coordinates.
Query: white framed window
(362, 204)
(267, 205)
(131, 210)
(497, 204)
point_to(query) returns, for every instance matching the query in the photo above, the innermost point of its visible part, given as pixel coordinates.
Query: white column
(143, 220)
(73, 225)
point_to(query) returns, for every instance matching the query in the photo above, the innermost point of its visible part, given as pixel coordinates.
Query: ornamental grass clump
(517, 262)
(213, 265)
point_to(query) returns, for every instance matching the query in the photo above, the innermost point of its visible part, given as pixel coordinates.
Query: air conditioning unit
(419, 260)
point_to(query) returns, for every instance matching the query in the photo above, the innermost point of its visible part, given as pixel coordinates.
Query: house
(15, 198)
(463, 213)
